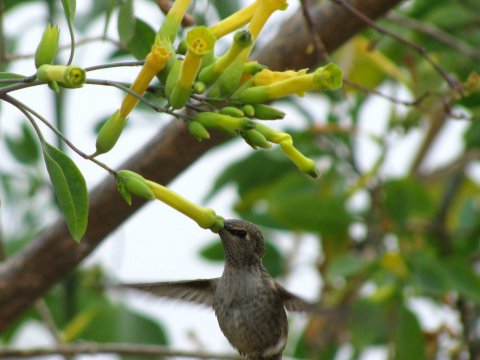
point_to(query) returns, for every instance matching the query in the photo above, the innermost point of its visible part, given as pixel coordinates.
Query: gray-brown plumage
(249, 304)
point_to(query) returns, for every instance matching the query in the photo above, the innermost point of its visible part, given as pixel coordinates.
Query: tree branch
(28, 274)
(120, 349)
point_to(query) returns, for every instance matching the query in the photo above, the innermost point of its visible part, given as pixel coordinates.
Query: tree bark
(29, 273)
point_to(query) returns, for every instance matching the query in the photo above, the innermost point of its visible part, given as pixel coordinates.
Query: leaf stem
(28, 112)
(121, 86)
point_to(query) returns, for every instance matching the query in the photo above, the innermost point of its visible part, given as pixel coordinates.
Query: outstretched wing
(199, 291)
(294, 303)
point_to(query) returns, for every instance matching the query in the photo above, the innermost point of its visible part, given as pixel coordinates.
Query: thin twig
(313, 30)
(23, 85)
(27, 111)
(115, 64)
(45, 314)
(120, 86)
(435, 33)
(414, 102)
(454, 84)
(120, 349)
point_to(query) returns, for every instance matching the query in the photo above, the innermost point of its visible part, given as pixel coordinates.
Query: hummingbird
(248, 303)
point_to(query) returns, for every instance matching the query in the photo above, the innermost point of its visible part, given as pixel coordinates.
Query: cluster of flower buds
(235, 89)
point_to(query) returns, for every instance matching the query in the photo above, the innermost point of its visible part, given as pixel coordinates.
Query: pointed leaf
(70, 189)
(24, 148)
(126, 22)
(9, 76)
(409, 339)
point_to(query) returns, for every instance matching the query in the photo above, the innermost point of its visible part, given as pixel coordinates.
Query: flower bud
(255, 139)
(249, 110)
(197, 130)
(110, 133)
(267, 112)
(224, 122)
(232, 111)
(133, 183)
(48, 47)
(68, 76)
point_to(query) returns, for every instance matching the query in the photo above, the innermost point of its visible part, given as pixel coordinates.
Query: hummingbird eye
(239, 233)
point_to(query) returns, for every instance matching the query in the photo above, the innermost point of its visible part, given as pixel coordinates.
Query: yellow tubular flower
(267, 77)
(325, 78)
(264, 10)
(234, 21)
(154, 62)
(204, 217)
(210, 73)
(174, 18)
(304, 164)
(200, 41)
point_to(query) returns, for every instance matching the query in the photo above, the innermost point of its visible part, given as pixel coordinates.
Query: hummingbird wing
(293, 302)
(199, 291)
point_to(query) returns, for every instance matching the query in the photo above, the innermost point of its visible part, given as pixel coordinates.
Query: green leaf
(141, 42)
(272, 260)
(346, 266)
(115, 323)
(9, 76)
(371, 323)
(318, 206)
(69, 6)
(406, 198)
(409, 339)
(24, 148)
(126, 22)
(70, 189)
(463, 278)
(428, 275)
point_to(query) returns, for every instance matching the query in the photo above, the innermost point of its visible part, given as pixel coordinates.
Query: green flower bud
(48, 47)
(254, 95)
(68, 76)
(255, 139)
(228, 81)
(232, 111)
(328, 77)
(249, 110)
(304, 164)
(224, 122)
(197, 130)
(267, 112)
(199, 87)
(135, 184)
(110, 133)
(172, 77)
(252, 67)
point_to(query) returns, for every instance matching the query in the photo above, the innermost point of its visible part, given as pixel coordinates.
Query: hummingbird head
(242, 242)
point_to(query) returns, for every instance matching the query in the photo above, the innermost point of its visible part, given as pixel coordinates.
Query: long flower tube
(325, 78)
(234, 21)
(172, 22)
(241, 40)
(205, 217)
(303, 163)
(200, 41)
(154, 63)
(265, 9)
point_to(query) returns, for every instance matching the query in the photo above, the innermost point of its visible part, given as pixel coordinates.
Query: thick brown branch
(28, 274)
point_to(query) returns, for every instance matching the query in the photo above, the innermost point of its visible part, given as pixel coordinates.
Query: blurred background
(390, 231)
